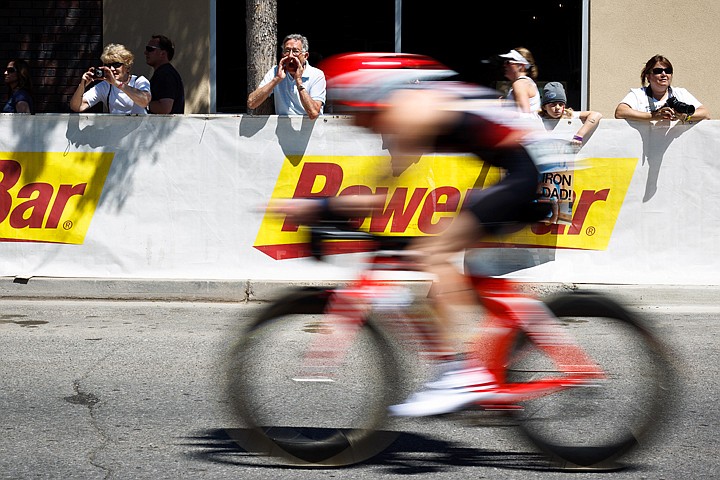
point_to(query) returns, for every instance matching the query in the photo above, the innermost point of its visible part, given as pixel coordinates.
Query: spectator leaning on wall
(297, 87)
(115, 86)
(658, 100)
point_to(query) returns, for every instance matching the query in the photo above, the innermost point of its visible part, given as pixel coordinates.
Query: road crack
(91, 401)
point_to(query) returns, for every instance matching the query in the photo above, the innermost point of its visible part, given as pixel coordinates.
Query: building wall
(59, 40)
(625, 34)
(186, 23)
(63, 38)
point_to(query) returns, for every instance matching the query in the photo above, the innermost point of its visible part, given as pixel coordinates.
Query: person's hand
(110, 76)
(88, 77)
(299, 65)
(282, 68)
(664, 113)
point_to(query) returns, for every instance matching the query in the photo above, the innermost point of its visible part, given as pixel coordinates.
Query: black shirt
(167, 83)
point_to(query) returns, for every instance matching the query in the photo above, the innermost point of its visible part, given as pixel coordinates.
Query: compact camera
(680, 107)
(98, 73)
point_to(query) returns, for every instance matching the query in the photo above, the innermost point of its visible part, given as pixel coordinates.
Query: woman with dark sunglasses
(17, 79)
(113, 85)
(657, 99)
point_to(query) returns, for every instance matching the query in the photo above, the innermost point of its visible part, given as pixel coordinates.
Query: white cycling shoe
(453, 391)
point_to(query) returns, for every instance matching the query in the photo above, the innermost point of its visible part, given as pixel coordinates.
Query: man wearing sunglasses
(658, 100)
(297, 87)
(166, 85)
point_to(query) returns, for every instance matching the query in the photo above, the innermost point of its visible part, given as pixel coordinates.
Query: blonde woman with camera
(658, 100)
(118, 90)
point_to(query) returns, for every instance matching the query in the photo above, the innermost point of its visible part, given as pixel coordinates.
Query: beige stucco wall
(624, 34)
(186, 23)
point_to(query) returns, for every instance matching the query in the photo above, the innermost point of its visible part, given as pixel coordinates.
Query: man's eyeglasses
(658, 71)
(150, 48)
(11, 70)
(294, 51)
(114, 65)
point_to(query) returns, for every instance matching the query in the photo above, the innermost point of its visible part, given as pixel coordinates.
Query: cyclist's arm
(306, 211)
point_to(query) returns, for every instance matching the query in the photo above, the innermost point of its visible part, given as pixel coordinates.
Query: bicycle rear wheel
(331, 419)
(591, 427)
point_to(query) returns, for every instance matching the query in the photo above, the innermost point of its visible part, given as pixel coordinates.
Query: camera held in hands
(98, 72)
(680, 107)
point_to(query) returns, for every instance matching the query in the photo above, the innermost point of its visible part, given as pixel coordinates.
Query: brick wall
(59, 38)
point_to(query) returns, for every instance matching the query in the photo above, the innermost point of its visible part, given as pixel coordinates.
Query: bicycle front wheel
(590, 427)
(300, 398)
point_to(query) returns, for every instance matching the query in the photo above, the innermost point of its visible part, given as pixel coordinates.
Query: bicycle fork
(345, 314)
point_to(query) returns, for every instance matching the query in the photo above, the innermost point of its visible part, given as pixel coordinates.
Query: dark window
(465, 37)
(460, 34)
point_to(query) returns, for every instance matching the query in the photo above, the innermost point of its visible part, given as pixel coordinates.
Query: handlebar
(326, 231)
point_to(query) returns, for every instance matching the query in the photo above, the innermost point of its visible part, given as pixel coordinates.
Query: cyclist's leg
(450, 287)
(507, 202)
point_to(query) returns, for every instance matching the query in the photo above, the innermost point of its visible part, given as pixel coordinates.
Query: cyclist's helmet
(361, 81)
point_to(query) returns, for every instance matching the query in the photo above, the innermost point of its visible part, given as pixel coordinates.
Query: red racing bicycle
(312, 377)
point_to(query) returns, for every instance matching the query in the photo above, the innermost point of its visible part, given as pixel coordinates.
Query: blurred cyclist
(401, 97)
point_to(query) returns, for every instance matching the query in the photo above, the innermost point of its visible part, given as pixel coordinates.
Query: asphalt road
(124, 390)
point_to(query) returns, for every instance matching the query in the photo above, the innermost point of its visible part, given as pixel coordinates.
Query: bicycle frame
(509, 312)
(514, 313)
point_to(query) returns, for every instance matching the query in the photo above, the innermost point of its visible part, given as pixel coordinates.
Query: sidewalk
(263, 290)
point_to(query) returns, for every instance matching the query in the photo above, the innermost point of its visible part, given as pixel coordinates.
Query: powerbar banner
(185, 197)
(424, 199)
(50, 196)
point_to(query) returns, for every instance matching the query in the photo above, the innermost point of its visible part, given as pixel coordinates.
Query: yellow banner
(424, 198)
(50, 196)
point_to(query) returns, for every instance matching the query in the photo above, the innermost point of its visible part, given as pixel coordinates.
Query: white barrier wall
(167, 197)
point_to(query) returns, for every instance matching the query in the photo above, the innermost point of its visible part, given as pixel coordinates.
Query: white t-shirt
(117, 100)
(638, 99)
(286, 95)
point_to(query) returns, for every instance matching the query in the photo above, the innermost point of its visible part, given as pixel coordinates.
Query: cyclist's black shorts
(513, 200)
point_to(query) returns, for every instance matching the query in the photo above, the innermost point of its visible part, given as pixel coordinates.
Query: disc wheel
(591, 427)
(330, 419)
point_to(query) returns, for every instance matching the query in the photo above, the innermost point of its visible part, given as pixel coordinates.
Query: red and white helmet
(360, 81)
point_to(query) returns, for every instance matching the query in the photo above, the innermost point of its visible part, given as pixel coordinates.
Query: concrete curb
(265, 290)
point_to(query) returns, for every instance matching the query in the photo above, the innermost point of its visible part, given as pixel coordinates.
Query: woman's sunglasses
(658, 71)
(11, 70)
